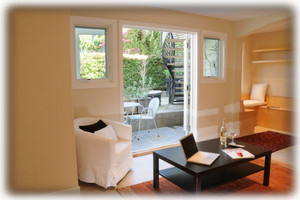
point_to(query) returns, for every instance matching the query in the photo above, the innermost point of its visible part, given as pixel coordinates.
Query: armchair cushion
(93, 127)
(108, 132)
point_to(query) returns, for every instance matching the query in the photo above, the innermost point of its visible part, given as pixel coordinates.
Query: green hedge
(156, 73)
(92, 66)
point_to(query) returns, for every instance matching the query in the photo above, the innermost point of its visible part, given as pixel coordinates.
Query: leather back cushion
(93, 127)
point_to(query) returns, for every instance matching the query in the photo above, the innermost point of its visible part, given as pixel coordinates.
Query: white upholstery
(100, 160)
(108, 131)
(258, 91)
(253, 103)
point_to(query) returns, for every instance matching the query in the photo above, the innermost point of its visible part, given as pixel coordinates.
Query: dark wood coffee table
(194, 177)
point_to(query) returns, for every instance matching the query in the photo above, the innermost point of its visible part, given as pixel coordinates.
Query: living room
(44, 103)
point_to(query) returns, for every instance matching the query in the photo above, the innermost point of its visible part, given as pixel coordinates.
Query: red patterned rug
(269, 139)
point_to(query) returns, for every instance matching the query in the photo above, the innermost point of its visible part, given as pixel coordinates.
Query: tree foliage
(143, 42)
(92, 65)
(133, 81)
(92, 56)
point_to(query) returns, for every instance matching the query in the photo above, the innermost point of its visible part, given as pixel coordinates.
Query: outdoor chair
(148, 113)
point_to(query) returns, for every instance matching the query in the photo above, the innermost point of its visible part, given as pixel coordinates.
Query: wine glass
(232, 133)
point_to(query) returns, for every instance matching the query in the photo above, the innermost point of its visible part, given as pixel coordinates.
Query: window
(90, 53)
(93, 52)
(214, 49)
(211, 66)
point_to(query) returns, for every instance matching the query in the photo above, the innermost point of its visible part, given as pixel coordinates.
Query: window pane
(90, 53)
(211, 57)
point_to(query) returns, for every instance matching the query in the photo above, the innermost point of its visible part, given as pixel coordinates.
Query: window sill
(212, 80)
(91, 84)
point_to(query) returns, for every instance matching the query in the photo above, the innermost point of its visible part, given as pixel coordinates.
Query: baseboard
(69, 191)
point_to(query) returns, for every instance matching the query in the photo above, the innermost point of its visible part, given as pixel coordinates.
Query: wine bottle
(223, 138)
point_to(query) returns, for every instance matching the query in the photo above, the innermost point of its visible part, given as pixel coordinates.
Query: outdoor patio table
(155, 93)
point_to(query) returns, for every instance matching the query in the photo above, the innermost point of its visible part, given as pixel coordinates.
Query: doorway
(158, 63)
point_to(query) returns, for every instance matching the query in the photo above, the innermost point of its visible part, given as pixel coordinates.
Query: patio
(148, 138)
(169, 121)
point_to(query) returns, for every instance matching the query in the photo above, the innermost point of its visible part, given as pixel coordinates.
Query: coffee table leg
(155, 172)
(197, 184)
(267, 170)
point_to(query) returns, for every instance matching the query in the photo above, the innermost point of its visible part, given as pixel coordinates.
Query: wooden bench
(277, 115)
(247, 119)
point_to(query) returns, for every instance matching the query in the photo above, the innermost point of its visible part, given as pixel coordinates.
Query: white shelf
(270, 61)
(271, 50)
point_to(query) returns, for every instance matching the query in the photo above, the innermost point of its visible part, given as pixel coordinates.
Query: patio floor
(148, 138)
(169, 134)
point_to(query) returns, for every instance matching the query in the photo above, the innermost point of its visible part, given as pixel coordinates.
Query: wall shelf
(270, 61)
(271, 50)
(267, 55)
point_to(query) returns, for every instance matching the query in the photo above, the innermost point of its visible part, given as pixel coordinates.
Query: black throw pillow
(93, 127)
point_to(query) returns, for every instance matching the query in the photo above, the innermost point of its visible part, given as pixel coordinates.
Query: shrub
(92, 65)
(133, 80)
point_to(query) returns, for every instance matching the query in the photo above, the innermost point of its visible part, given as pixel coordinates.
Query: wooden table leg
(155, 171)
(267, 170)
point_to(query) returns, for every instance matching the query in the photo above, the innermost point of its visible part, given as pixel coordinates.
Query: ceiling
(231, 13)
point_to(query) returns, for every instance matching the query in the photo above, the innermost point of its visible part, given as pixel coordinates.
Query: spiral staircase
(173, 57)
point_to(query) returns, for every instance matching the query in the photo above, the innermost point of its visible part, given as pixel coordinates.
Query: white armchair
(100, 160)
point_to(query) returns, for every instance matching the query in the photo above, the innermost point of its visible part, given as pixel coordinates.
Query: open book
(238, 153)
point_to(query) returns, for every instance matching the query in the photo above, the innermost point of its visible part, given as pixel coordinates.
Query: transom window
(91, 59)
(214, 57)
(94, 51)
(211, 66)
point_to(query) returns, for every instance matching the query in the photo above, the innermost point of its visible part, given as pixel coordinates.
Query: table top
(131, 104)
(175, 156)
(154, 92)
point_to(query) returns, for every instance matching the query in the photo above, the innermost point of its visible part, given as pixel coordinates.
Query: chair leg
(138, 138)
(156, 127)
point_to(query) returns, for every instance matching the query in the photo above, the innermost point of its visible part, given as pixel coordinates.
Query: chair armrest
(144, 110)
(94, 149)
(122, 130)
(147, 109)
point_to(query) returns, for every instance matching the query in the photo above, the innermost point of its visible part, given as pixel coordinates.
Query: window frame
(222, 37)
(111, 79)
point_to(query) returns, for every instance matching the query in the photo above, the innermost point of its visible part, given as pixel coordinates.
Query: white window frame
(222, 37)
(111, 52)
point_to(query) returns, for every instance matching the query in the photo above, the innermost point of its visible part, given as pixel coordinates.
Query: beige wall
(42, 144)
(247, 67)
